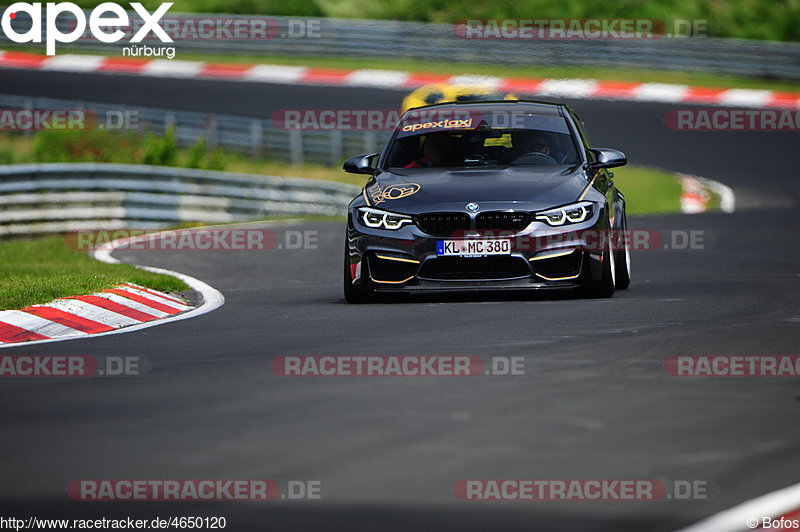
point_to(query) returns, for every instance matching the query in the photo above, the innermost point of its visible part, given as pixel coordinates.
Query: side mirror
(360, 164)
(608, 158)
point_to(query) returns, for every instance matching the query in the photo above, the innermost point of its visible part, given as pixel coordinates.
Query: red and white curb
(126, 308)
(127, 304)
(696, 194)
(396, 79)
(781, 506)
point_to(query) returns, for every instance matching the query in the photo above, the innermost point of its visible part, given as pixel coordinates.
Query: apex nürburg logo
(102, 20)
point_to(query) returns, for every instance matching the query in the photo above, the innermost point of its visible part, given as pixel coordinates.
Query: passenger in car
(436, 151)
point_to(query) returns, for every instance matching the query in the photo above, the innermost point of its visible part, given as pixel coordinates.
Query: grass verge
(38, 270)
(648, 190)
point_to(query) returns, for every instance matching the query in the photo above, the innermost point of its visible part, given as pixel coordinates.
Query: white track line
(660, 92)
(74, 63)
(486, 82)
(172, 69)
(275, 74)
(745, 97)
(772, 505)
(568, 88)
(377, 78)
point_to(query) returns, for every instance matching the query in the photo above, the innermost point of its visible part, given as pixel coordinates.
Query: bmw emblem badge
(473, 207)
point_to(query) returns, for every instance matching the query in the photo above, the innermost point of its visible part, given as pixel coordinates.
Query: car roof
(535, 106)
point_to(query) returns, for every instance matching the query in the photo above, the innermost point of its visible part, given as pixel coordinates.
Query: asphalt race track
(595, 402)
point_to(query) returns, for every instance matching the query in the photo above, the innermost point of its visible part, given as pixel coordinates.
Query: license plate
(473, 248)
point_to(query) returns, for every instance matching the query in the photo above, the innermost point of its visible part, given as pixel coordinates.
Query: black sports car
(487, 196)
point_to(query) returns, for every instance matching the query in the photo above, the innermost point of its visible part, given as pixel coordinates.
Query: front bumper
(541, 258)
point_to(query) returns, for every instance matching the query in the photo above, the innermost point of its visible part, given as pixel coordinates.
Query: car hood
(422, 190)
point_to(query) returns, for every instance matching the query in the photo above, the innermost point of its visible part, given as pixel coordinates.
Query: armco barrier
(255, 136)
(48, 198)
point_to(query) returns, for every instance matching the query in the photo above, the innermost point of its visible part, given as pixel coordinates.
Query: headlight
(377, 219)
(568, 214)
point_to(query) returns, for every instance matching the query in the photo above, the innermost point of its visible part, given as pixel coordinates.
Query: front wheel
(605, 287)
(623, 258)
(352, 293)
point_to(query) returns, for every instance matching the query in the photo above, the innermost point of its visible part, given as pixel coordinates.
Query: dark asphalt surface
(595, 401)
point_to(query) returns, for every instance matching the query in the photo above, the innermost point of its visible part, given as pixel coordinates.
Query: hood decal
(379, 194)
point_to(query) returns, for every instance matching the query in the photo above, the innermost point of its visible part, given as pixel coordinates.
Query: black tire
(623, 259)
(606, 286)
(353, 293)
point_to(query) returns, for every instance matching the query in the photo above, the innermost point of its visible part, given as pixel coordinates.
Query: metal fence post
(296, 146)
(256, 138)
(211, 132)
(336, 147)
(369, 141)
(28, 106)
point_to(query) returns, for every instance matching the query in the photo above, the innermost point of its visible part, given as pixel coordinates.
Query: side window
(584, 136)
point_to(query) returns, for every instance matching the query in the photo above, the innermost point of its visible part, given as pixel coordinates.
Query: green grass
(648, 190)
(635, 75)
(38, 270)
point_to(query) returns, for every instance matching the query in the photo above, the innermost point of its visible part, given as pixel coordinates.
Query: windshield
(466, 138)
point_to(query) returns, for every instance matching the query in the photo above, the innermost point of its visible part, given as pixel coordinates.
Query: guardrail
(255, 136)
(439, 42)
(50, 198)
